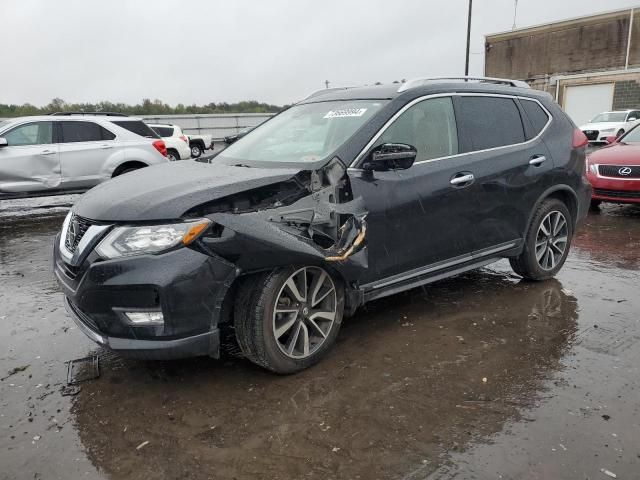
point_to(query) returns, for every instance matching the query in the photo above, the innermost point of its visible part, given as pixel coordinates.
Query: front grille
(591, 134)
(628, 171)
(616, 193)
(76, 229)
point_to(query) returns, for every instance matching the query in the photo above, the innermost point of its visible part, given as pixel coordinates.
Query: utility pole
(466, 63)
(326, 83)
(515, 13)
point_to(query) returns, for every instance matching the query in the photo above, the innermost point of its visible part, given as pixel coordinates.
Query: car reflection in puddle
(413, 376)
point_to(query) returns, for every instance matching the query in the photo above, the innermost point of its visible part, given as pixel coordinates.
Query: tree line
(146, 107)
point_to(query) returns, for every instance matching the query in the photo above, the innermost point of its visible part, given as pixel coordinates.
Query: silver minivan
(68, 153)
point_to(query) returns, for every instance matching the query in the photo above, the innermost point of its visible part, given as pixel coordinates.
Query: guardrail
(218, 125)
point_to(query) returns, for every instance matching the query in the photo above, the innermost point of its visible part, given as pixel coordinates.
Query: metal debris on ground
(13, 371)
(82, 369)
(608, 473)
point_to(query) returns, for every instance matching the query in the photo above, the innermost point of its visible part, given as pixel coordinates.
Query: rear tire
(172, 155)
(122, 171)
(547, 242)
(278, 326)
(196, 151)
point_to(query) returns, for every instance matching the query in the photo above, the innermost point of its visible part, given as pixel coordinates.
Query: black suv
(348, 196)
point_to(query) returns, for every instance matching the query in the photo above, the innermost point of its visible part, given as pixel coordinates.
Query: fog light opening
(145, 318)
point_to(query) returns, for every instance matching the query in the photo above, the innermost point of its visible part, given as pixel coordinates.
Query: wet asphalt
(481, 376)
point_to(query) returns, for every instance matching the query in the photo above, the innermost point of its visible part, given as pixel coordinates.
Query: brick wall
(626, 94)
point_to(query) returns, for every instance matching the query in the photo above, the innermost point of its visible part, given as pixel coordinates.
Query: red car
(614, 171)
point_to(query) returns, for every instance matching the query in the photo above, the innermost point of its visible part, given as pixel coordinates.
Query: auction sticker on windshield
(346, 112)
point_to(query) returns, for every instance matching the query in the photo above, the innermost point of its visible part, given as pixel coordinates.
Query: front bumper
(614, 190)
(207, 343)
(187, 286)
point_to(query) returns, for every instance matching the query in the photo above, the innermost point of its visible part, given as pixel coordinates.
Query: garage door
(583, 102)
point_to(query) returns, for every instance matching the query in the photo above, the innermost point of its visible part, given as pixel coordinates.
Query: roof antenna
(515, 12)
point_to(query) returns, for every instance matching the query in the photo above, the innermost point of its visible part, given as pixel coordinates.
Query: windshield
(304, 133)
(632, 136)
(610, 117)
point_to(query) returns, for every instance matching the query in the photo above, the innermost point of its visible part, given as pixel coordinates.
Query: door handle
(104, 147)
(47, 152)
(537, 160)
(463, 178)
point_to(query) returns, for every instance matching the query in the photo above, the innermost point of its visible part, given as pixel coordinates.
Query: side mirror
(3, 142)
(391, 156)
(632, 119)
(611, 139)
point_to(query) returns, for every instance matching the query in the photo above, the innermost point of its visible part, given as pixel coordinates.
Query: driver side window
(37, 133)
(429, 126)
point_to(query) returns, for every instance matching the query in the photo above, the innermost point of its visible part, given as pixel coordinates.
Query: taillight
(161, 147)
(579, 139)
(184, 138)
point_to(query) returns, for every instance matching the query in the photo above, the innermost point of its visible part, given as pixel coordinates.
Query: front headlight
(149, 239)
(593, 168)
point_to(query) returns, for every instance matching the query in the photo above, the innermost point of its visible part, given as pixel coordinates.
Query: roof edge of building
(561, 25)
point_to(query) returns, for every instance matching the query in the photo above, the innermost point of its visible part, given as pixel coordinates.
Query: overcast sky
(276, 51)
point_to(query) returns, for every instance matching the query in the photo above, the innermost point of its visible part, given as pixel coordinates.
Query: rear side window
(536, 115)
(138, 127)
(491, 122)
(163, 131)
(37, 133)
(73, 132)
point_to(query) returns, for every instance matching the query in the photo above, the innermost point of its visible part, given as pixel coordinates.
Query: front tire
(620, 133)
(287, 319)
(547, 242)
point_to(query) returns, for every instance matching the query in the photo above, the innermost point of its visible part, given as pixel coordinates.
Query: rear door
(30, 162)
(84, 148)
(509, 161)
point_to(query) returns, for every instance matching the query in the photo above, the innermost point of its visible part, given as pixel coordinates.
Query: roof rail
(322, 91)
(419, 82)
(106, 114)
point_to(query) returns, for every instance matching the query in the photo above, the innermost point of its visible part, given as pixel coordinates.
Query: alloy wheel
(551, 240)
(305, 311)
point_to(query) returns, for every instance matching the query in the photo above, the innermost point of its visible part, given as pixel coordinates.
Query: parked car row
(74, 151)
(65, 153)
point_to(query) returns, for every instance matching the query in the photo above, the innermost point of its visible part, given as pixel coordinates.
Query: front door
(418, 217)
(30, 162)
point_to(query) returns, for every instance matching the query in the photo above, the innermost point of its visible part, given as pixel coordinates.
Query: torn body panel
(322, 226)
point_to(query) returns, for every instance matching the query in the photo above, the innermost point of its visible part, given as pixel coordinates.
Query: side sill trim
(385, 282)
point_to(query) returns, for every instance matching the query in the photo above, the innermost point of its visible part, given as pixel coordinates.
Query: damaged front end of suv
(154, 264)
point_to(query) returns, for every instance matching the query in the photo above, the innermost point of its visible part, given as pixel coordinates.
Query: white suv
(69, 153)
(176, 141)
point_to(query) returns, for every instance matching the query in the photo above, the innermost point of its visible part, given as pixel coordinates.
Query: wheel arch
(565, 194)
(128, 164)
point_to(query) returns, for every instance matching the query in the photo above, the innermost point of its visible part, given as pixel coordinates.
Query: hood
(600, 125)
(617, 154)
(167, 191)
